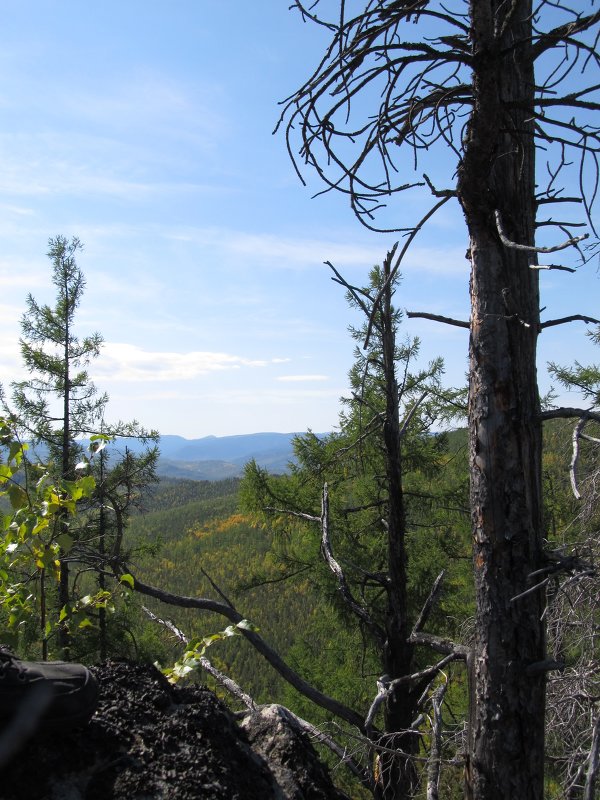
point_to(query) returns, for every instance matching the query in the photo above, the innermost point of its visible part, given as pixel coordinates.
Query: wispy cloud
(302, 378)
(125, 362)
(284, 252)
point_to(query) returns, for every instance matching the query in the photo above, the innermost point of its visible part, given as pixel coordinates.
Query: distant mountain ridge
(217, 457)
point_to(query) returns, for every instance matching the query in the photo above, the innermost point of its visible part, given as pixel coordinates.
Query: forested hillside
(192, 533)
(192, 538)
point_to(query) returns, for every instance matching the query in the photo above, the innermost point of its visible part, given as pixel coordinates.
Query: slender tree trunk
(506, 750)
(43, 614)
(398, 775)
(64, 594)
(103, 643)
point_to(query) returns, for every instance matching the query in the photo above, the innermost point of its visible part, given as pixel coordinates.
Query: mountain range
(217, 457)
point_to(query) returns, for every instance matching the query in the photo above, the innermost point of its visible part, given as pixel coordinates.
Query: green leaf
(5, 472)
(65, 542)
(18, 498)
(128, 579)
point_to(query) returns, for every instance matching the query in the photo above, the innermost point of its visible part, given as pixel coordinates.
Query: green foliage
(55, 407)
(59, 388)
(191, 659)
(584, 378)
(352, 462)
(184, 549)
(33, 538)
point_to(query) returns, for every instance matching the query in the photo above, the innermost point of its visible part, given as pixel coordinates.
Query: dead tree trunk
(497, 187)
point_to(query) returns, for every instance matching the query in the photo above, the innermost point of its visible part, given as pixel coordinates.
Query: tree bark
(398, 774)
(506, 739)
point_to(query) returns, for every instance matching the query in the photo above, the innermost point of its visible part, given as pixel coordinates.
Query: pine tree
(369, 523)
(58, 405)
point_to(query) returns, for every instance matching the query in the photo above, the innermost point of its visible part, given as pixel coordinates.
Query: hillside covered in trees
(418, 587)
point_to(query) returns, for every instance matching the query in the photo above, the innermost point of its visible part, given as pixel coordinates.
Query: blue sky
(145, 129)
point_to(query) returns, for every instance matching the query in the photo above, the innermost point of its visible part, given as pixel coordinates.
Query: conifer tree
(58, 404)
(369, 524)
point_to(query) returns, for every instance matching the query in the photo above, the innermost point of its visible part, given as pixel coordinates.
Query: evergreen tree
(58, 404)
(379, 571)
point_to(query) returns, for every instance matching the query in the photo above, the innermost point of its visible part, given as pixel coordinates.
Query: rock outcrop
(149, 740)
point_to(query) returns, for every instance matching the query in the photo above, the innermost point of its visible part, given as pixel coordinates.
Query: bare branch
(168, 624)
(359, 610)
(356, 608)
(434, 763)
(594, 764)
(429, 672)
(552, 266)
(429, 603)
(274, 659)
(573, 318)
(548, 665)
(531, 249)
(393, 270)
(385, 686)
(228, 683)
(299, 514)
(575, 457)
(440, 644)
(563, 32)
(570, 413)
(459, 323)
(411, 413)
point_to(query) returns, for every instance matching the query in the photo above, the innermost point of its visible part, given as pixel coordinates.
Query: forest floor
(149, 740)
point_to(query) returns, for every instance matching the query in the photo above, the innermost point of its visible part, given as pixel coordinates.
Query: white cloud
(302, 378)
(294, 251)
(125, 362)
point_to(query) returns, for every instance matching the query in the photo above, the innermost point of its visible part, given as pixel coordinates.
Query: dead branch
(270, 655)
(168, 624)
(573, 318)
(434, 763)
(440, 644)
(570, 413)
(429, 672)
(411, 413)
(575, 457)
(552, 266)
(429, 603)
(228, 683)
(594, 763)
(459, 323)
(359, 610)
(530, 248)
(394, 269)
